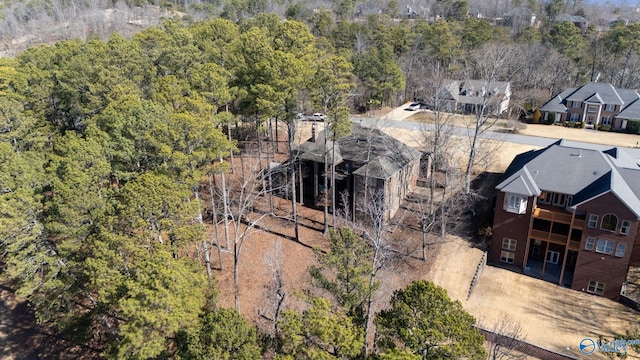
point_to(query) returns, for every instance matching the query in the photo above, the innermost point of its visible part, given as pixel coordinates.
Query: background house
(466, 96)
(594, 104)
(366, 159)
(578, 21)
(570, 216)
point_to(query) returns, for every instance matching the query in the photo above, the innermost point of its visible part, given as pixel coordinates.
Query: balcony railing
(557, 216)
(550, 215)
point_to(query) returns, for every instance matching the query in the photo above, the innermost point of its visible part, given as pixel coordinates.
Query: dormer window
(514, 203)
(609, 222)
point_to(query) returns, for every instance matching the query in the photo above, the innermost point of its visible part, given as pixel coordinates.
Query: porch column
(566, 248)
(315, 183)
(301, 183)
(544, 259)
(528, 242)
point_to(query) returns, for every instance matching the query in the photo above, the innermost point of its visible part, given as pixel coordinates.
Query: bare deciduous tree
(505, 339)
(275, 296)
(492, 64)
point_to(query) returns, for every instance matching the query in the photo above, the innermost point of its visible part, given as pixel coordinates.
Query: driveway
(535, 135)
(550, 316)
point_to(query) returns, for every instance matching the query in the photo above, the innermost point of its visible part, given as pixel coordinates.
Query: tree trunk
(292, 162)
(325, 195)
(205, 245)
(472, 159)
(225, 203)
(236, 289)
(333, 185)
(215, 220)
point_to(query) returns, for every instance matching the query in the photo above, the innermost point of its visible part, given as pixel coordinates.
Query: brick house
(389, 167)
(594, 104)
(570, 216)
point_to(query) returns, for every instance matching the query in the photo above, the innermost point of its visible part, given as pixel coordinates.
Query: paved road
(460, 131)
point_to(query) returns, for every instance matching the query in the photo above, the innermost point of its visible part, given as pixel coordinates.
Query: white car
(413, 106)
(317, 117)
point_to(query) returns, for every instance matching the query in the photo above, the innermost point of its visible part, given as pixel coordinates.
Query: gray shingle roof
(631, 111)
(583, 173)
(557, 103)
(601, 93)
(385, 154)
(608, 93)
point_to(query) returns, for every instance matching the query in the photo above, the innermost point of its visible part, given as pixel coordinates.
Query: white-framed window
(624, 228)
(507, 257)
(562, 200)
(593, 221)
(516, 204)
(609, 222)
(607, 120)
(590, 243)
(595, 287)
(605, 246)
(509, 244)
(574, 117)
(610, 107)
(592, 108)
(620, 249)
(575, 104)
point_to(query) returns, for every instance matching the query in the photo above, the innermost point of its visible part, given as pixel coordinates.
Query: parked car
(413, 106)
(317, 117)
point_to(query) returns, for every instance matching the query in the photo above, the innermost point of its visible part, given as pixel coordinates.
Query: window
(509, 244)
(507, 257)
(545, 198)
(574, 117)
(592, 108)
(561, 199)
(605, 246)
(607, 120)
(575, 104)
(610, 107)
(516, 204)
(609, 222)
(590, 243)
(593, 220)
(624, 228)
(595, 287)
(621, 249)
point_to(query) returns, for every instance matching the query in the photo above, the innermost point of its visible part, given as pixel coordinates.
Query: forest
(107, 143)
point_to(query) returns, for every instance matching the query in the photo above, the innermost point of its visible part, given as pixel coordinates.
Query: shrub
(552, 118)
(578, 125)
(604, 127)
(633, 127)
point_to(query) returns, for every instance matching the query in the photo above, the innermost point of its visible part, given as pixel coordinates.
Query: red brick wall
(605, 268)
(513, 226)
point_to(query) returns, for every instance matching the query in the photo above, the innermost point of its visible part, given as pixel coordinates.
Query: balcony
(555, 216)
(558, 217)
(549, 236)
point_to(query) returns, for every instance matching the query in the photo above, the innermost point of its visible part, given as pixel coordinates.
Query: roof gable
(583, 173)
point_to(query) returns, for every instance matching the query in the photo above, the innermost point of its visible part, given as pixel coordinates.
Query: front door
(553, 257)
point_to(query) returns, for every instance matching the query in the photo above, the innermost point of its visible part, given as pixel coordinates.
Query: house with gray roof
(595, 104)
(578, 21)
(571, 216)
(368, 164)
(471, 95)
